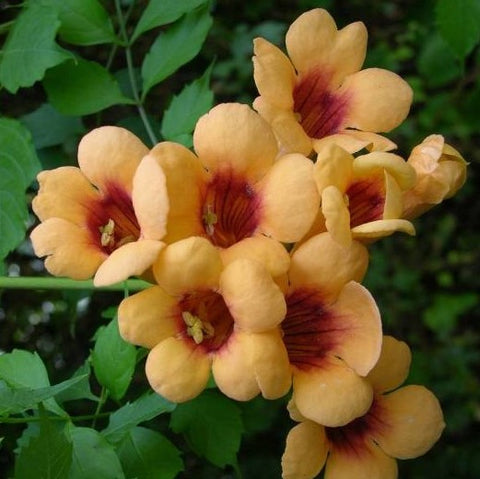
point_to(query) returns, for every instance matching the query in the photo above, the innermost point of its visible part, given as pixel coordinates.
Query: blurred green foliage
(427, 287)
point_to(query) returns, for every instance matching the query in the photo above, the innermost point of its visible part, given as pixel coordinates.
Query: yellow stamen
(209, 219)
(197, 329)
(107, 233)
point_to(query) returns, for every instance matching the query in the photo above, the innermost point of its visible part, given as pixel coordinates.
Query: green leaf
(459, 24)
(175, 47)
(84, 22)
(146, 454)
(443, 315)
(81, 388)
(196, 99)
(30, 48)
(436, 63)
(93, 456)
(113, 360)
(15, 400)
(127, 417)
(22, 369)
(212, 425)
(46, 456)
(49, 127)
(18, 166)
(82, 87)
(161, 12)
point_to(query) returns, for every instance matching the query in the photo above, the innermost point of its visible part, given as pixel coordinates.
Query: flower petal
(290, 134)
(393, 206)
(414, 422)
(395, 165)
(150, 199)
(324, 264)
(313, 41)
(273, 74)
(334, 167)
(305, 451)
(361, 328)
(331, 395)
(380, 100)
(188, 265)
(184, 173)
(253, 363)
(271, 253)
(337, 216)
(253, 299)
(148, 317)
(110, 154)
(68, 248)
(131, 259)
(176, 370)
(392, 367)
(354, 140)
(290, 199)
(63, 194)
(369, 463)
(380, 228)
(234, 136)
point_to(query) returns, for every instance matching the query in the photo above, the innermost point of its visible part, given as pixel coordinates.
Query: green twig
(27, 419)
(33, 282)
(131, 75)
(101, 402)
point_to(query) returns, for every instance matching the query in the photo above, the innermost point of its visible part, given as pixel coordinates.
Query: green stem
(21, 420)
(101, 402)
(33, 282)
(131, 75)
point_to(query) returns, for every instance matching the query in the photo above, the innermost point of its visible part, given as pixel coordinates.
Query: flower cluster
(256, 245)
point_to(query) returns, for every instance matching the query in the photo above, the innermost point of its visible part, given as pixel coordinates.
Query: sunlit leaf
(459, 24)
(22, 369)
(47, 455)
(143, 409)
(84, 22)
(15, 400)
(197, 99)
(161, 12)
(93, 456)
(113, 360)
(30, 48)
(212, 425)
(82, 87)
(146, 454)
(49, 127)
(176, 46)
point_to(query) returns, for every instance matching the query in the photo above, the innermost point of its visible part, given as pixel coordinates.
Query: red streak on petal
(321, 111)
(311, 329)
(209, 307)
(366, 201)
(236, 206)
(352, 439)
(115, 204)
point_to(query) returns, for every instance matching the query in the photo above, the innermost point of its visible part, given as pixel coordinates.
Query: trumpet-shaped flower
(441, 172)
(206, 317)
(401, 423)
(105, 218)
(361, 197)
(235, 191)
(332, 330)
(318, 94)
